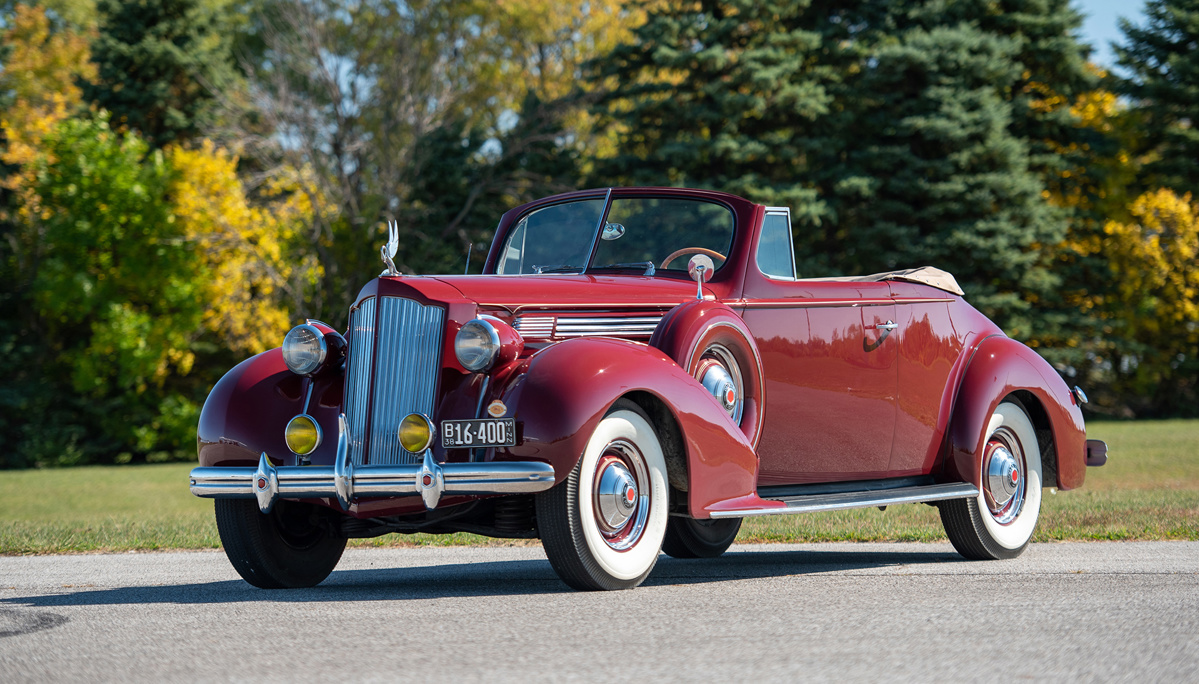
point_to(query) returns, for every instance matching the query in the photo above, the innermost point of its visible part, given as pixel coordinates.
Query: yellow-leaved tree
(38, 88)
(1153, 261)
(253, 277)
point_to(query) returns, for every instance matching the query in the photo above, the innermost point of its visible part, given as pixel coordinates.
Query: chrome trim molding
(347, 483)
(842, 501)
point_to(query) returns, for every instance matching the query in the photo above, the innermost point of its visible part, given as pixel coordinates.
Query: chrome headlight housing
(304, 349)
(477, 345)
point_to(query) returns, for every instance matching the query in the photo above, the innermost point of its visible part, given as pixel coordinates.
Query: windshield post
(599, 229)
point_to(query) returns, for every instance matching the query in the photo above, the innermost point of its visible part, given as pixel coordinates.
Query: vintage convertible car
(635, 371)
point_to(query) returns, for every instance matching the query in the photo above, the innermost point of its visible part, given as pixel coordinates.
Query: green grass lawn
(1149, 489)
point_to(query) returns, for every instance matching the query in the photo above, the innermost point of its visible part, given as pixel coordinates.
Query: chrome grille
(361, 340)
(406, 366)
(406, 362)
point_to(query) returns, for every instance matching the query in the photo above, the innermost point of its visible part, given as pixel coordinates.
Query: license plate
(484, 432)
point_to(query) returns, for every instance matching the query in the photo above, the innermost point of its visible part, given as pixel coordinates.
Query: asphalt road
(816, 612)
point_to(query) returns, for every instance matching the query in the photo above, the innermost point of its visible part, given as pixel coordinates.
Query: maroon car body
(822, 393)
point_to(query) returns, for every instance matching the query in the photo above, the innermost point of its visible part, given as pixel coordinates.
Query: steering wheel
(698, 250)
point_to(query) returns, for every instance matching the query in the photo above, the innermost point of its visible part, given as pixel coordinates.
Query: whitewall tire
(602, 528)
(1000, 521)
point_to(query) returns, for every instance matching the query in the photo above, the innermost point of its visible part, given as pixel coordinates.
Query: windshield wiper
(560, 268)
(647, 265)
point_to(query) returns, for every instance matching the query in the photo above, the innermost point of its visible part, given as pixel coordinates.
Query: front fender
(248, 409)
(999, 367)
(568, 387)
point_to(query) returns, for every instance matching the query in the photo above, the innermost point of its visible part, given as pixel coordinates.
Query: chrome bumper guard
(347, 483)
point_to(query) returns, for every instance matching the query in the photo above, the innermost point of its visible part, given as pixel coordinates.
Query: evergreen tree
(159, 64)
(740, 96)
(900, 133)
(1162, 57)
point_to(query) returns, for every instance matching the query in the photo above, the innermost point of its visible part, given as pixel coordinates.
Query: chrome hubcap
(616, 496)
(1003, 476)
(719, 373)
(621, 499)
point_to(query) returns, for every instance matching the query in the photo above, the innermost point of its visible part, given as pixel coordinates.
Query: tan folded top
(927, 275)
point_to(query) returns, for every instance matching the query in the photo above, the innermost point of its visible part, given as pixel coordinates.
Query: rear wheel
(602, 527)
(691, 538)
(999, 522)
(292, 546)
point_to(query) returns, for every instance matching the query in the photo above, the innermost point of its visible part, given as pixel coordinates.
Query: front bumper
(266, 483)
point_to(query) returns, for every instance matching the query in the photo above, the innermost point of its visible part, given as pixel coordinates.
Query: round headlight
(304, 349)
(476, 345)
(416, 432)
(302, 435)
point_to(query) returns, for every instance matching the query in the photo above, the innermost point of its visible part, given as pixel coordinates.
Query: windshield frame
(610, 196)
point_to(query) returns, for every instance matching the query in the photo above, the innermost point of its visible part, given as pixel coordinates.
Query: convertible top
(927, 275)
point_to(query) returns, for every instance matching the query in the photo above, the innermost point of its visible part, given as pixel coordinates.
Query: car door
(928, 348)
(830, 367)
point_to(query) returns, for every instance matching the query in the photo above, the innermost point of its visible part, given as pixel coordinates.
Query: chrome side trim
(406, 366)
(843, 501)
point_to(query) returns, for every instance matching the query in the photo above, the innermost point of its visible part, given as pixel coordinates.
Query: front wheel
(292, 546)
(999, 522)
(602, 527)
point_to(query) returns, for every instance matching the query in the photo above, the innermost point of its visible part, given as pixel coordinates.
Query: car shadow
(495, 578)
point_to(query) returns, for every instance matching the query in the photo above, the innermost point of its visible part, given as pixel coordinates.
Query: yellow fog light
(302, 435)
(416, 432)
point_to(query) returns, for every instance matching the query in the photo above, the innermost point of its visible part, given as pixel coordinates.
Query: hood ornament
(388, 250)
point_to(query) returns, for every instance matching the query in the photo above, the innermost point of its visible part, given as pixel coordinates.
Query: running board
(812, 503)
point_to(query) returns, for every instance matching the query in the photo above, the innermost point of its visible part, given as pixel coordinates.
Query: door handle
(868, 346)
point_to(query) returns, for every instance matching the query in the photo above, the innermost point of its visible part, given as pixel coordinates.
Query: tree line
(180, 180)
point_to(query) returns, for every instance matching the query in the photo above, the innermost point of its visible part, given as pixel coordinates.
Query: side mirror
(612, 231)
(700, 268)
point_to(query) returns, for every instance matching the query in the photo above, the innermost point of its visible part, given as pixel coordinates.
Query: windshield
(641, 233)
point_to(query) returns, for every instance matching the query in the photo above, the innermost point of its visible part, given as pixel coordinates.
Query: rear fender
(999, 367)
(248, 409)
(565, 391)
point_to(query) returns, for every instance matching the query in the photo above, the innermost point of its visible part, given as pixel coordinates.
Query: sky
(1099, 25)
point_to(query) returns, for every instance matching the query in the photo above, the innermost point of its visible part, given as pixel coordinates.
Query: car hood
(555, 292)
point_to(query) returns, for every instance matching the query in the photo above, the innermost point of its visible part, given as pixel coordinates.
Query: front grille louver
(404, 358)
(562, 327)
